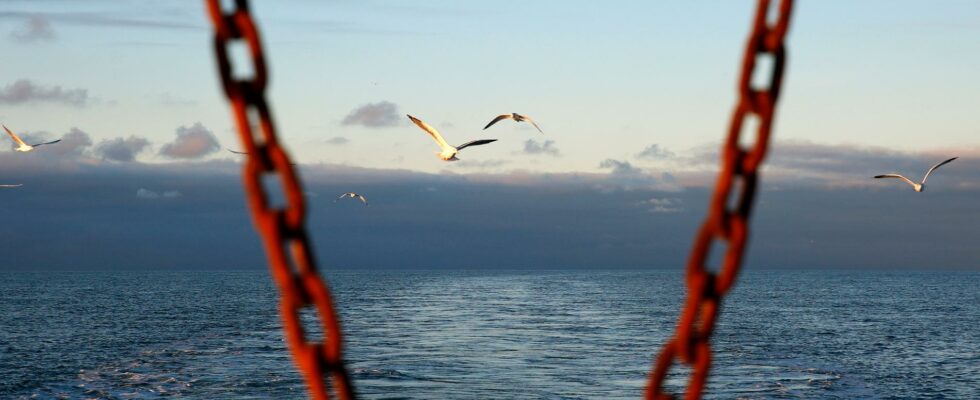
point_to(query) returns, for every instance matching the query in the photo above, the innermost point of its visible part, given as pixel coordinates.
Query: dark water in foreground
(486, 334)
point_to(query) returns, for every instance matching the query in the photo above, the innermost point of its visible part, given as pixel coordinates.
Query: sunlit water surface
(490, 334)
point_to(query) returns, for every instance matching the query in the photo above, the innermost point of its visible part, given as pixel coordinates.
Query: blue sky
(871, 87)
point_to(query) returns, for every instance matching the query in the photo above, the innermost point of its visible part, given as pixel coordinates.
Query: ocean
(556, 334)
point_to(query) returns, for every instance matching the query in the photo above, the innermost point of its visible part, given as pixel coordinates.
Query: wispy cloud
(24, 91)
(193, 142)
(35, 29)
(373, 115)
(532, 147)
(171, 100)
(102, 19)
(480, 164)
(655, 152)
(121, 149)
(152, 195)
(664, 204)
(337, 141)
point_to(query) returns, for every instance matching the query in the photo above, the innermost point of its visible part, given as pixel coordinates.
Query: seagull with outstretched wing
(353, 196)
(448, 152)
(918, 187)
(516, 117)
(24, 147)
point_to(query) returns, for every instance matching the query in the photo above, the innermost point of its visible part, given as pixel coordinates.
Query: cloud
(542, 219)
(170, 100)
(803, 162)
(664, 204)
(655, 152)
(35, 29)
(23, 91)
(547, 147)
(373, 115)
(151, 195)
(102, 19)
(121, 149)
(192, 142)
(624, 176)
(337, 141)
(480, 164)
(72, 145)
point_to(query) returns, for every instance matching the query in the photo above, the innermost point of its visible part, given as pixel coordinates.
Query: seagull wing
(362, 199)
(237, 152)
(528, 119)
(936, 166)
(896, 176)
(475, 143)
(341, 197)
(432, 132)
(499, 117)
(14, 136)
(42, 144)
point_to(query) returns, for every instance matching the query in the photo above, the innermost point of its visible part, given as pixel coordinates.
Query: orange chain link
(705, 289)
(294, 270)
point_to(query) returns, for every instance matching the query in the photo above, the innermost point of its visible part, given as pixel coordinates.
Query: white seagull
(24, 147)
(448, 152)
(516, 117)
(353, 196)
(918, 187)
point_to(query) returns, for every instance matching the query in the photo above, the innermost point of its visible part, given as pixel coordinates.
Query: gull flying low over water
(516, 117)
(24, 147)
(918, 187)
(448, 152)
(353, 196)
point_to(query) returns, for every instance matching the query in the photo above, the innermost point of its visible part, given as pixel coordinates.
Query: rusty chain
(706, 289)
(283, 231)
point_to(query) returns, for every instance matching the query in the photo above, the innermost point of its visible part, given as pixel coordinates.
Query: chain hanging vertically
(283, 230)
(705, 289)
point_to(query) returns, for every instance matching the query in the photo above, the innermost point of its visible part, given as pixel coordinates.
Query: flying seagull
(918, 187)
(516, 117)
(24, 147)
(353, 196)
(448, 152)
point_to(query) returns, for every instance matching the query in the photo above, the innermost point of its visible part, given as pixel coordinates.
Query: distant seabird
(11, 185)
(516, 117)
(353, 196)
(448, 152)
(918, 187)
(24, 147)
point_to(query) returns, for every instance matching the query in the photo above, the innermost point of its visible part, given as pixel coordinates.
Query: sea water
(555, 334)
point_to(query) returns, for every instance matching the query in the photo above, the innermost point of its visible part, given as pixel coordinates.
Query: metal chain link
(706, 289)
(283, 231)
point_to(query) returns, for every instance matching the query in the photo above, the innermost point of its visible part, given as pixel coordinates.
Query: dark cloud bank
(92, 214)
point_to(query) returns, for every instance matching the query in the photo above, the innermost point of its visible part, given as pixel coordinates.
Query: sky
(633, 98)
